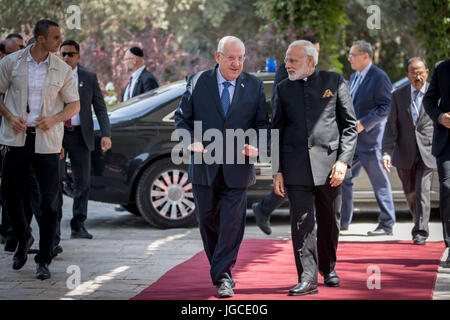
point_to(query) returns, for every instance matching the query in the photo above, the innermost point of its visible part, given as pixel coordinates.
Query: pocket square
(81, 83)
(327, 94)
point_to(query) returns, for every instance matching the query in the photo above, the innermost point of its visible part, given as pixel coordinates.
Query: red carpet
(265, 270)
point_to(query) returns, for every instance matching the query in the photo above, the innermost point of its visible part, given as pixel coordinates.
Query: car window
(144, 103)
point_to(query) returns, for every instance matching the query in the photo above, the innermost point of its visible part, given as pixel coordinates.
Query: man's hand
(61, 154)
(386, 163)
(445, 120)
(197, 147)
(250, 151)
(338, 173)
(18, 124)
(360, 127)
(45, 123)
(278, 184)
(106, 143)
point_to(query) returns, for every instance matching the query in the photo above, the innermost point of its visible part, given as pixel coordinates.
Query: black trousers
(18, 161)
(270, 203)
(443, 166)
(417, 186)
(80, 161)
(315, 222)
(220, 212)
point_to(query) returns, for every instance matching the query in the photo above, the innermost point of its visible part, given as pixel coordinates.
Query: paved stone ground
(127, 255)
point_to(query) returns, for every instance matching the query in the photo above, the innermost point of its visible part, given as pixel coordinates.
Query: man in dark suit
(437, 105)
(78, 140)
(407, 141)
(317, 129)
(370, 88)
(263, 209)
(141, 80)
(221, 99)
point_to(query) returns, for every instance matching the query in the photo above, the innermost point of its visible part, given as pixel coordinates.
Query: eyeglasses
(293, 61)
(70, 54)
(351, 55)
(418, 74)
(240, 59)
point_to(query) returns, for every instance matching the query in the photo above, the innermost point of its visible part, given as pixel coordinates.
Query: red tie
(68, 123)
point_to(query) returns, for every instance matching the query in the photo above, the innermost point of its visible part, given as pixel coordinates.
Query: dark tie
(414, 105)
(225, 98)
(355, 86)
(68, 123)
(129, 88)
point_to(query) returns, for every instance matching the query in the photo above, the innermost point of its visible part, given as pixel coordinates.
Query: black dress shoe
(331, 279)
(302, 288)
(261, 220)
(56, 250)
(379, 232)
(225, 290)
(42, 271)
(33, 251)
(419, 240)
(81, 234)
(21, 255)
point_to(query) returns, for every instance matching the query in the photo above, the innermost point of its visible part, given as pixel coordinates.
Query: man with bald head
(223, 99)
(314, 114)
(407, 146)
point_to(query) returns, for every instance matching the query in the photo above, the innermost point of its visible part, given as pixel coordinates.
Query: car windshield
(148, 101)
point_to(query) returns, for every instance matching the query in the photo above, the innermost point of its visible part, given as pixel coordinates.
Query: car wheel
(164, 196)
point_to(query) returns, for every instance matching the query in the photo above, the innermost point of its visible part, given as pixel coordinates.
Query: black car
(138, 172)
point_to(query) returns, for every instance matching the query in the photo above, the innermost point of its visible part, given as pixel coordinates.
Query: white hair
(228, 39)
(310, 49)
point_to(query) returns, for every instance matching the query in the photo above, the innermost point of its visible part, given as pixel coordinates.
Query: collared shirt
(36, 76)
(130, 88)
(363, 73)
(221, 80)
(76, 118)
(58, 87)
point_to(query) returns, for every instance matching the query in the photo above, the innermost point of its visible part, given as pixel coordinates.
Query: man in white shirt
(37, 85)
(141, 80)
(407, 146)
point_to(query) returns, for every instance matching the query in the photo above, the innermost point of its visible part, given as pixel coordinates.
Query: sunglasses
(70, 54)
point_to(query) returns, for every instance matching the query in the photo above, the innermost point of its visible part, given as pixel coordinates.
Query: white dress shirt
(76, 118)
(36, 76)
(130, 88)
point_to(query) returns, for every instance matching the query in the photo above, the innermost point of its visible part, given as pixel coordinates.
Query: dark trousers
(315, 223)
(30, 206)
(417, 186)
(270, 203)
(80, 161)
(371, 162)
(220, 212)
(443, 166)
(18, 161)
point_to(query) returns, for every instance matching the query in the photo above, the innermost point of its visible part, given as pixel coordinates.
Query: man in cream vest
(40, 94)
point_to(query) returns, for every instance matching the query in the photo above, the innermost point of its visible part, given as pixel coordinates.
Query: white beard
(300, 73)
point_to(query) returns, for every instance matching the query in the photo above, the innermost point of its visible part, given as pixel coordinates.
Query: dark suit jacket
(315, 131)
(91, 95)
(401, 136)
(201, 102)
(439, 89)
(371, 102)
(145, 82)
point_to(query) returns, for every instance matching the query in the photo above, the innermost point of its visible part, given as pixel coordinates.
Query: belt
(71, 128)
(31, 130)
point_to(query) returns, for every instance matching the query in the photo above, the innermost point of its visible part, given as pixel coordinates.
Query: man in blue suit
(221, 99)
(370, 88)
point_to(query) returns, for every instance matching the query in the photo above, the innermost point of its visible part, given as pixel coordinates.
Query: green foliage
(433, 29)
(326, 19)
